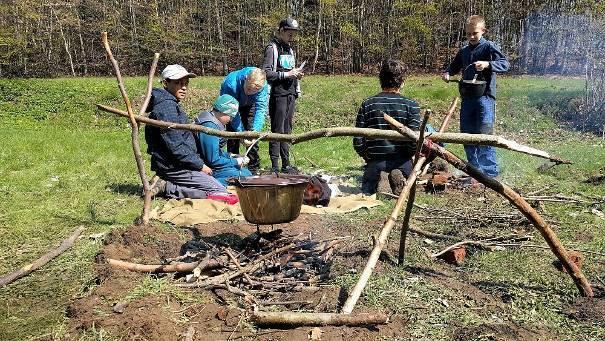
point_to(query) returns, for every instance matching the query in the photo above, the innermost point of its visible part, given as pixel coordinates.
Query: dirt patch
(500, 332)
(167, 315)
(585, 309)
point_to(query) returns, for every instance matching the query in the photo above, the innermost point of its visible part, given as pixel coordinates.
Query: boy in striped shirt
(380, 155)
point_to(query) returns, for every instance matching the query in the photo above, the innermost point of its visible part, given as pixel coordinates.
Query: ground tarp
(203, 211)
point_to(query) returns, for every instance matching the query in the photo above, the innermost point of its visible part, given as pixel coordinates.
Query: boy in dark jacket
(212, 148)
(385, 155)
(173, 152)
(477, 114)
(283, 77)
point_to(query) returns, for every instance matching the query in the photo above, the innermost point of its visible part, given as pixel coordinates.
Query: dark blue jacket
(484, 51)
(233, 85)
(170, 149)
(211, 147)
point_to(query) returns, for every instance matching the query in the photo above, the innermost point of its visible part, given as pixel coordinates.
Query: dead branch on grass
(264, 318)
(40, 262)
(205, 264)
(490, 244)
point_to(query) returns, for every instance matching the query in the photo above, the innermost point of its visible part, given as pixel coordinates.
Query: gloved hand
(243, 161)
(248, 143)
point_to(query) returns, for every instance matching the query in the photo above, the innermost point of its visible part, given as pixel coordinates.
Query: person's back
(371, 115)
(382, 155)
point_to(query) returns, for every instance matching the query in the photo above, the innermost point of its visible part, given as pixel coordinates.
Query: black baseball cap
(289, 24)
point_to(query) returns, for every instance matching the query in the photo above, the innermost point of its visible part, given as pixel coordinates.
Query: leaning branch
(26, 270)
(514, 198)
(134, 131)
(456, 138)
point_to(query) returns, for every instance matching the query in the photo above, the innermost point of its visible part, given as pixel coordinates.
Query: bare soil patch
(217, 315)
(500, 332)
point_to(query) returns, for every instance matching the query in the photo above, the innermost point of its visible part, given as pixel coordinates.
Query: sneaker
(397, 181)
(158, 187)
(290, 170)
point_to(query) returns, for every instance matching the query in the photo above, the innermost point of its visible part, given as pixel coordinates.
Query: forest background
(52, 38)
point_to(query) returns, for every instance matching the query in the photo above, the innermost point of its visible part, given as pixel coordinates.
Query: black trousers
(281, 112)
(247, 117)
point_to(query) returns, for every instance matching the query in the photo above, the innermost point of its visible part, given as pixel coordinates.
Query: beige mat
(203, 211)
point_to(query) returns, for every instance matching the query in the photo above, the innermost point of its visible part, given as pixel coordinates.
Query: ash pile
(260, 265)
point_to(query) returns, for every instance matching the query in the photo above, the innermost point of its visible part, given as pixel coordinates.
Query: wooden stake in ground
(317, 319)
(26, 270)
(410, 204)
(134, 132)
(515, 199)
(383, 238)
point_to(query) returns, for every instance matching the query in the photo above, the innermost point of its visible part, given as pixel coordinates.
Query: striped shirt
(370, 115)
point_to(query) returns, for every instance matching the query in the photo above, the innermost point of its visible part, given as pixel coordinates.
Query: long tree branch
(456, 138)
(134, 132)
(514, 198)
(154, 65)
(47, 257)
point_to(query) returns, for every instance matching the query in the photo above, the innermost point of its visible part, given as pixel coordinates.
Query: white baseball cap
(176, 71)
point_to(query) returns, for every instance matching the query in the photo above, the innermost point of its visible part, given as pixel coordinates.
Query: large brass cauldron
(270, 199)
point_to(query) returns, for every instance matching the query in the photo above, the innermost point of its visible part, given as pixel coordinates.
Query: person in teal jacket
(211, 148)
(249, 87)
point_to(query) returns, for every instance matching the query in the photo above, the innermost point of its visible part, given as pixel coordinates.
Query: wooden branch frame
(456, 138)
(514, 198)
(136, 148)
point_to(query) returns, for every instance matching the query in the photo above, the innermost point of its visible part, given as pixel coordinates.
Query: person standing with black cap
(283, 76)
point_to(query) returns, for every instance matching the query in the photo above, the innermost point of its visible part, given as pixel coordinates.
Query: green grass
(64, 164)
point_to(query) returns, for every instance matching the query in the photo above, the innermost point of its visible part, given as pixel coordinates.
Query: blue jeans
(477, 116)
(229, 172)
(371, 175)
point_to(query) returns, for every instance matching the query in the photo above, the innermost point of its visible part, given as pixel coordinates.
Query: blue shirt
(233, 85)
(486, 51)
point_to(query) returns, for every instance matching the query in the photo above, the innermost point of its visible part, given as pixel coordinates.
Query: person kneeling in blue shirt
(212, 148)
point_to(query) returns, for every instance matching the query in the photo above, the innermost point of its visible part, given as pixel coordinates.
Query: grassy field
(64, 164)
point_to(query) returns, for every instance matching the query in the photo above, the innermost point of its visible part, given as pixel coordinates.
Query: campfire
(260, 264)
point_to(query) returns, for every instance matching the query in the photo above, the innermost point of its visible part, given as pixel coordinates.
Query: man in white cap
(174, 156)
(212, 148)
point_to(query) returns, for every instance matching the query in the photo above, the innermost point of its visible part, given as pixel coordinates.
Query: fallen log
(287, 318)
(457, 138)
(205, 264)
(47, 257)
(514, 198)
